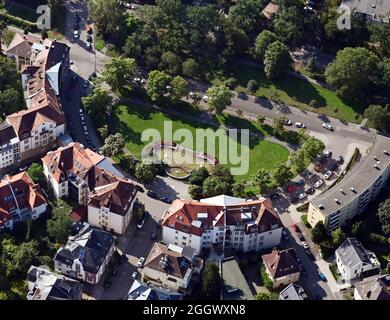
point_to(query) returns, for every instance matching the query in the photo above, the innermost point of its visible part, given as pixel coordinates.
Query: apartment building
(361, 185)
(222, 222)
(20, 199)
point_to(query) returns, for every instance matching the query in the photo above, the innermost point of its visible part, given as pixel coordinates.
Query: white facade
(9, 153)
(352, 271)
(179, 238)
(167, 280)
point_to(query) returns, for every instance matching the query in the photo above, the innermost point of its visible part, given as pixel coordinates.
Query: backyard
(132, 120)
(294, 92)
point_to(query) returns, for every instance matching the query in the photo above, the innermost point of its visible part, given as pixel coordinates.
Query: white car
(309, 175)
(305, 245)
(140, 262)
(134, 275)
(302, 196)
(300, 125)
(327, 126)
(76, 34)
(89, 45)
(327, 174)
(288, 122)
(318, 183)
(81, 111)
(205, 98)
(85, 129)
(192, 94)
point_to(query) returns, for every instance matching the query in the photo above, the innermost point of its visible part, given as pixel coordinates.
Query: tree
(119, 72)
(297, 160)
(157, 84)
(190, 68)
(195, 191)
(103, 131)
(266, 296)
(281, 173)
(211, 280)
(219, 98)
(385, 73)
(199, 176)
(278, 125)
(252, 86)
(380, 33)
(171, 62)
(263, 40)
(215, 186)
(378, 116)
(318, 233)
(276, 60)
(238, 189)
(25, 255)
(223, 173)
(384, 216)
(145, 172)
(35, 171)
(357, 229)
(338, 237)
(113, 145)
(58, 226)
(96, 104)
(262, 180)
(260, 118)
(353, 71)
(138, 210)
(312, 147)
(179, 88)
(246, 14)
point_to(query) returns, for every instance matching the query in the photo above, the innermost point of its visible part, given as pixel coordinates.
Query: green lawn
(295, 92)
(133, 120)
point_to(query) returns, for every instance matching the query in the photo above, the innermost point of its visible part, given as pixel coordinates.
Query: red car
(290, 188)
(295, 228)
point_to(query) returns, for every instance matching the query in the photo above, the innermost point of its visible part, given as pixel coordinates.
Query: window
(183, 243)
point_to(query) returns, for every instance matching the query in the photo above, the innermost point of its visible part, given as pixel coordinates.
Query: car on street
(310, 255)
(302, 195)
(327, 174)
(76, 34)
(152, 194)
(285, 234)
(86, 84)
(288, 122)
(274, 196)
(322, 276)
(300, 183)
(305, 245)
(140, 262)
(328, 153)
(153, 236)
(327, 126)
(140, 189)
(300, 236)
(311, 190)
(309, 175)
(340, 159)
(134, 275)
(318, 183)
(290, 188)
(296, 228)
(294, 200)
(89, 38)
(205, 98)
(300, 125)
(192, 94)
(89, 45)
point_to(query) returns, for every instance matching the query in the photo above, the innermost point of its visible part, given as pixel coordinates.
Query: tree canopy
(219, 98)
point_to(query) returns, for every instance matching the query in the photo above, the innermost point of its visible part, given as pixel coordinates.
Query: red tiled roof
(281, 263)
(79, 214)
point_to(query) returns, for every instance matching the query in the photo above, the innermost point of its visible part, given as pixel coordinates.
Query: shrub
(314, 104)
(267, 282)
(252, 86)
(231, 83)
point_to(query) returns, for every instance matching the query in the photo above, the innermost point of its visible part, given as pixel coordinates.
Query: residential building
(282, 266)
(374, 288)
(235, 286)
(46, 285)
(222, 222)
(20, 199)
(86, 255)
(361, 185)
(377, 10)
(9, 146)
(354, 261)
(271, 10)
(142, 291)
(293, 292)
(74, 171)
(171, 266)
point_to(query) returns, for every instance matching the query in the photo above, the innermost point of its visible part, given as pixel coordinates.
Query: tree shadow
(264, 102)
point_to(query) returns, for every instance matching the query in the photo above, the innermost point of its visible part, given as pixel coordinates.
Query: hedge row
(25, 25)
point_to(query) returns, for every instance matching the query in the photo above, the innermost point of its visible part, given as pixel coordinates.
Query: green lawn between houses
(295, 92)
(132, 120)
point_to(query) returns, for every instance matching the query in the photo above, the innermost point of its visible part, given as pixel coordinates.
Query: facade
(171, 267)
(378, 11)
(20, 199)
(282, 267)
(223, 222)
(293, 292)
(86, 255)
(46, 285)
(354, 261)
(32, 132)
(361, 185)
(142, 291)
(374, 288)
(75, 172)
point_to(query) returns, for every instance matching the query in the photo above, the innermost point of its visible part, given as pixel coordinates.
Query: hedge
(9, 19)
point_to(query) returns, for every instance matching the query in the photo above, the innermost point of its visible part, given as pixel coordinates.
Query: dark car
(334, 166)
(310, 255)
(153, 236)
(300, 236)
(311, 190)
(140, 189)
(274, 196)
(89, 38)
(165, 199)
(300, 182)
(339, 160)
(152, 194)
(294, 200)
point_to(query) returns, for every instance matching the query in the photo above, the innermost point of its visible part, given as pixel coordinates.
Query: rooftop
(281, 263)
(378, 9)
(357, 180)
(293, 292)
(352, 253)
(141, 291)
(375, 288)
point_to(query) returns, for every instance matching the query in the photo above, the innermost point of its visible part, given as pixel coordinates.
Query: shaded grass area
(296, 92)
(23, 12)
(132, 120)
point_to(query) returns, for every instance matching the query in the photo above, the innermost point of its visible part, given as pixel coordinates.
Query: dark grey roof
(7, 133)
(352, 253)
(378, 9)
(65, 290)
(293, 292)
(375, 288)
(141, 291)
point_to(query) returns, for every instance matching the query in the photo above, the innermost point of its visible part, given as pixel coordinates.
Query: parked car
(141, 262)
(310, 255)
(300, 182)
(205, 98)
(140, 189)
(318, 183)
(300, 236)
(300, 125)
(328, 153)
(89, 38)
(327, 126)
(134, 275)
(305, 245)
(285, 234)
(192, 94)
(322, 276)
(76, 34)
(89, 45)
(327, 174)
(290, 188)
(309, 175)
(294, 200)
(302, 196)
(153, 236)
(274, 196)
(288, 122)
(311, 190)
(340, 160)
(296, 228)
(74, 79)
(165, 200)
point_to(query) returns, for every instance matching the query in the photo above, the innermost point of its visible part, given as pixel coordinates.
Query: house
(235, 286)
(282, 266)
(86, 255)
(46, 285)
(293, 292)
(378, 11)
(74, 171)
(20, 199)
(171, 266)
(271, 10)
(9, 146)
(354, 261)
(142, 291)
(374, 288)
(222, 222)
